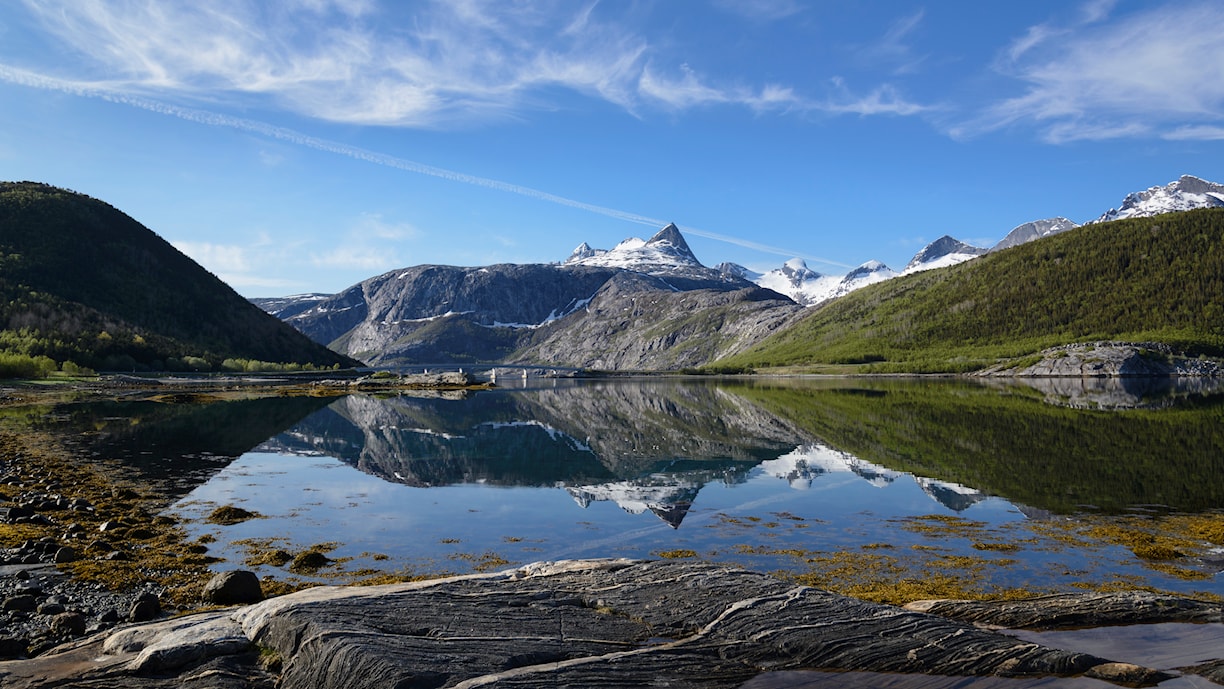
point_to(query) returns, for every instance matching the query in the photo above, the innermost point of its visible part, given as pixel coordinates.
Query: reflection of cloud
(1158, 71)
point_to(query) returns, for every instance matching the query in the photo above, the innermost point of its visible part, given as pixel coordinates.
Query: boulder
(235, 587)
(145, 608)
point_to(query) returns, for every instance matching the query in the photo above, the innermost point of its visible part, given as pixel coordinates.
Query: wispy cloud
(218, 258)
(442, 63)
(1157, 72)
(1203, 132)
(761, 10)
(894, 48)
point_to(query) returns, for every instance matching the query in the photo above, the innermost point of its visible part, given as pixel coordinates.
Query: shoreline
(116, 554)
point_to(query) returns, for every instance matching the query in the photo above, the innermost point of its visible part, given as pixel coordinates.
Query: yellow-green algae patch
(678, 553)
(228, 515)
(135, 550)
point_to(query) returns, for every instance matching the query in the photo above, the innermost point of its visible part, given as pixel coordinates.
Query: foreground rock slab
(605, 623)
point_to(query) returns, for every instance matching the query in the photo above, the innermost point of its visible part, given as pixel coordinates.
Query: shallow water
(1004, 485)
(918, 476)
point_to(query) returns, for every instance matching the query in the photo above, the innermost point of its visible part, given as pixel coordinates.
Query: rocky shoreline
(1108, 359)
(590, 623)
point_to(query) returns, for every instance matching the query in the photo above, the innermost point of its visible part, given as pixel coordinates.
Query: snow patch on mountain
(869, 273)
(800, 283)
(1187, 193)
(941, 253)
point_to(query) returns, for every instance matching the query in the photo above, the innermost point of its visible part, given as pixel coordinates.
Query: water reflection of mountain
(1115, 393)
(1010, 442)
(172, 448)
(643, 446)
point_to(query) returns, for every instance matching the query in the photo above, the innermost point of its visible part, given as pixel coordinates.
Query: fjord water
(1005, 480)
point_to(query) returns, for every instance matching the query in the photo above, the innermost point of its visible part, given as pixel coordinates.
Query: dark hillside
(1143, 279)
(80, 281)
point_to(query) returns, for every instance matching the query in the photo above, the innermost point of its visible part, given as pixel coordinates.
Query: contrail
(30, 79)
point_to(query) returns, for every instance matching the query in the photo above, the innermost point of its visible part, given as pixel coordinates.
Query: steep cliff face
(574, 314)
(448, 314)
(634, 322)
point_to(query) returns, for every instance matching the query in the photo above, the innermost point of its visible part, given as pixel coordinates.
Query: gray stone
(233, 588)
(11, 647)
(68, 624)
(21, 603)
(49, 608)
(65, 555)
(1076, 610)
(145, 608)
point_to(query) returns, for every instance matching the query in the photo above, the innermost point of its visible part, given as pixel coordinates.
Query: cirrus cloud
(1156, 72)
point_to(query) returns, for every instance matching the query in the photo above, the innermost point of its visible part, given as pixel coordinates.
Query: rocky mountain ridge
(646, 304)
(811, 288)
(642, 305)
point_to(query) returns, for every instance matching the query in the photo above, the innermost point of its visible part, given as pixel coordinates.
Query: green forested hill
(1151, 279)
(82, 282)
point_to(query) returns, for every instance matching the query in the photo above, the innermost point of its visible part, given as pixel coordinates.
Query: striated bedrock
(592, 623)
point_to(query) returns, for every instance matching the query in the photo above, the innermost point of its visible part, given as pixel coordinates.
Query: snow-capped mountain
(1036, 229)
(807, 287)
(1187, 193)
(666, 254)
(800, 283)
(869, 273)
(941, 253)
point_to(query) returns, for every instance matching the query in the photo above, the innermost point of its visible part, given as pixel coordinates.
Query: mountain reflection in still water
(772, 473)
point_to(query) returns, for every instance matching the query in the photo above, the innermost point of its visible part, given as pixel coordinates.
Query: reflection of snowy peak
(1187, 193)
(807, 462)
(954, 496)
(668, 497)
(943, 252)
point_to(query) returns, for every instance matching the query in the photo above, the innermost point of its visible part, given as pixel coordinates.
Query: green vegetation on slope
(85, 285)
(1150, 279)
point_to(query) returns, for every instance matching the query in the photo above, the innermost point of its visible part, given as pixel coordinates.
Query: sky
(305, 145)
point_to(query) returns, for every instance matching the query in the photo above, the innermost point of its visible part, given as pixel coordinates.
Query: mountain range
(642, 305)
(809, 288)
(645, 304)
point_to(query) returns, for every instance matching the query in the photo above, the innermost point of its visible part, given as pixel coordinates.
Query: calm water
(779, 474)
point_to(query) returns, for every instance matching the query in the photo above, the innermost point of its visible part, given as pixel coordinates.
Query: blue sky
(305, 145)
